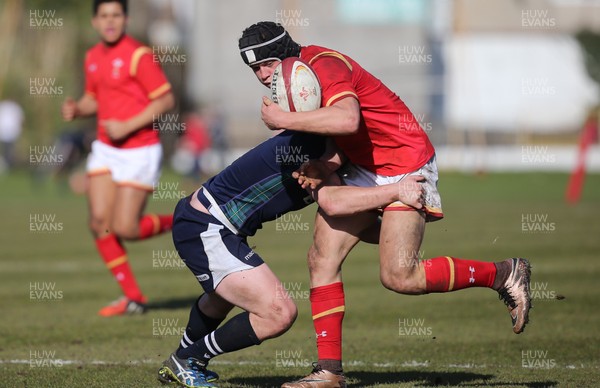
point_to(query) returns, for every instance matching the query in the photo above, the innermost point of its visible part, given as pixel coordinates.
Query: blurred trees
(43, 41)
(590, 42)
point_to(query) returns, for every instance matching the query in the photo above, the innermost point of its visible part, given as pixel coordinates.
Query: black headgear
(266, 41)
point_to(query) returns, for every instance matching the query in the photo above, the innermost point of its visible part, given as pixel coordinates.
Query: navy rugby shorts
(208, 248)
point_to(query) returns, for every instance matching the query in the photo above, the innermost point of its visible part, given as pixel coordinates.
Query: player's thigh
(225, 265)
(334, 238)
(101, 199)
(130, 202)
(400, 242)
(261, 293)
(255, 290)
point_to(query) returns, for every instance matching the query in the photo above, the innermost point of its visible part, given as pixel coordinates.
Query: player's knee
(127, 231)
(98, 225)
(402, 283)
(283, 315)
(330, 207)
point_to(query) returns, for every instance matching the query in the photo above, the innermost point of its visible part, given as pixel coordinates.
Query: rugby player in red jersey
(126, 89)
(384, 143)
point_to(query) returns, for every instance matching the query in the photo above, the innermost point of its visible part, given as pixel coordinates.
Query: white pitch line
(355, 363)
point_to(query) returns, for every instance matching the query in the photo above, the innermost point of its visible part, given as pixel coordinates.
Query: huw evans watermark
(44, 223)
(290, 155)
(540, 291)
(168, 191)
(537, 86)
(537, 19)
(45, 87)
(167, 259)
(291, 290)
(168, 122)
(537, 155)
(537, 223)
(414, 327)
(291, 18)
(44, 359)
(167, 327)
(538, 359)
(44, 291)
(291, 223)
(168, 55)
(409, 122)
(41, 19)
(410, 258)
(413, 54)
(291, 359)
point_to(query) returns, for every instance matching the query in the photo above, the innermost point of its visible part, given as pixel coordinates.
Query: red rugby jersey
(389, 141)
(124, 79)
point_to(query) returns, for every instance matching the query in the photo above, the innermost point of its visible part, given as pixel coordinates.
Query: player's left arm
(121, 129)
(315, 172)
(319, 178)
(338, 201)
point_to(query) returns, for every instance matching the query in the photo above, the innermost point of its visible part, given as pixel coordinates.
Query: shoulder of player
(136, 48)
(316, 55)
(94, 51)
(137, 51)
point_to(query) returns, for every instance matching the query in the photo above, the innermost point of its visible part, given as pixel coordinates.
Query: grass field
(53, 283)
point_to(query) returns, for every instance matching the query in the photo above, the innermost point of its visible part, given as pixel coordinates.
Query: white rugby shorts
(137, 167)
(354, 175)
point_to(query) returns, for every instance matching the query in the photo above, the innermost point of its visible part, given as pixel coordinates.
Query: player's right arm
(87, 105)
(84, 107)
(340, 114)
(340, 118)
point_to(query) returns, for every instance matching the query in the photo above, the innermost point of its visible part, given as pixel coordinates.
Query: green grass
(468, 340)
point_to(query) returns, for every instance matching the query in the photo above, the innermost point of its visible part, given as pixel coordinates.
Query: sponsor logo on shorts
(202, 278)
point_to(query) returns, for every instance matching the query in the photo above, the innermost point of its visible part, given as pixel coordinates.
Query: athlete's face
(264, 72)
(110, 21)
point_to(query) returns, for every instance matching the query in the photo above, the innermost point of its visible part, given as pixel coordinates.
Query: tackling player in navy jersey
(210, 230)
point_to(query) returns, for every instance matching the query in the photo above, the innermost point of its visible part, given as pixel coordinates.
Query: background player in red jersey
(126, 89)
(385, 143)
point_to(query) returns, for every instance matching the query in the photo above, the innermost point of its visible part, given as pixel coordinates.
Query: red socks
(153, 224)
(115, 257)
(444, 274)
(327, 303)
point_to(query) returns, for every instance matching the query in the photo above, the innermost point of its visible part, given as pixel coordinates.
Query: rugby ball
(295, 87)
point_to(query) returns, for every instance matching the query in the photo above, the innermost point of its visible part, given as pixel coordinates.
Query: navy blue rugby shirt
(258, 187)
